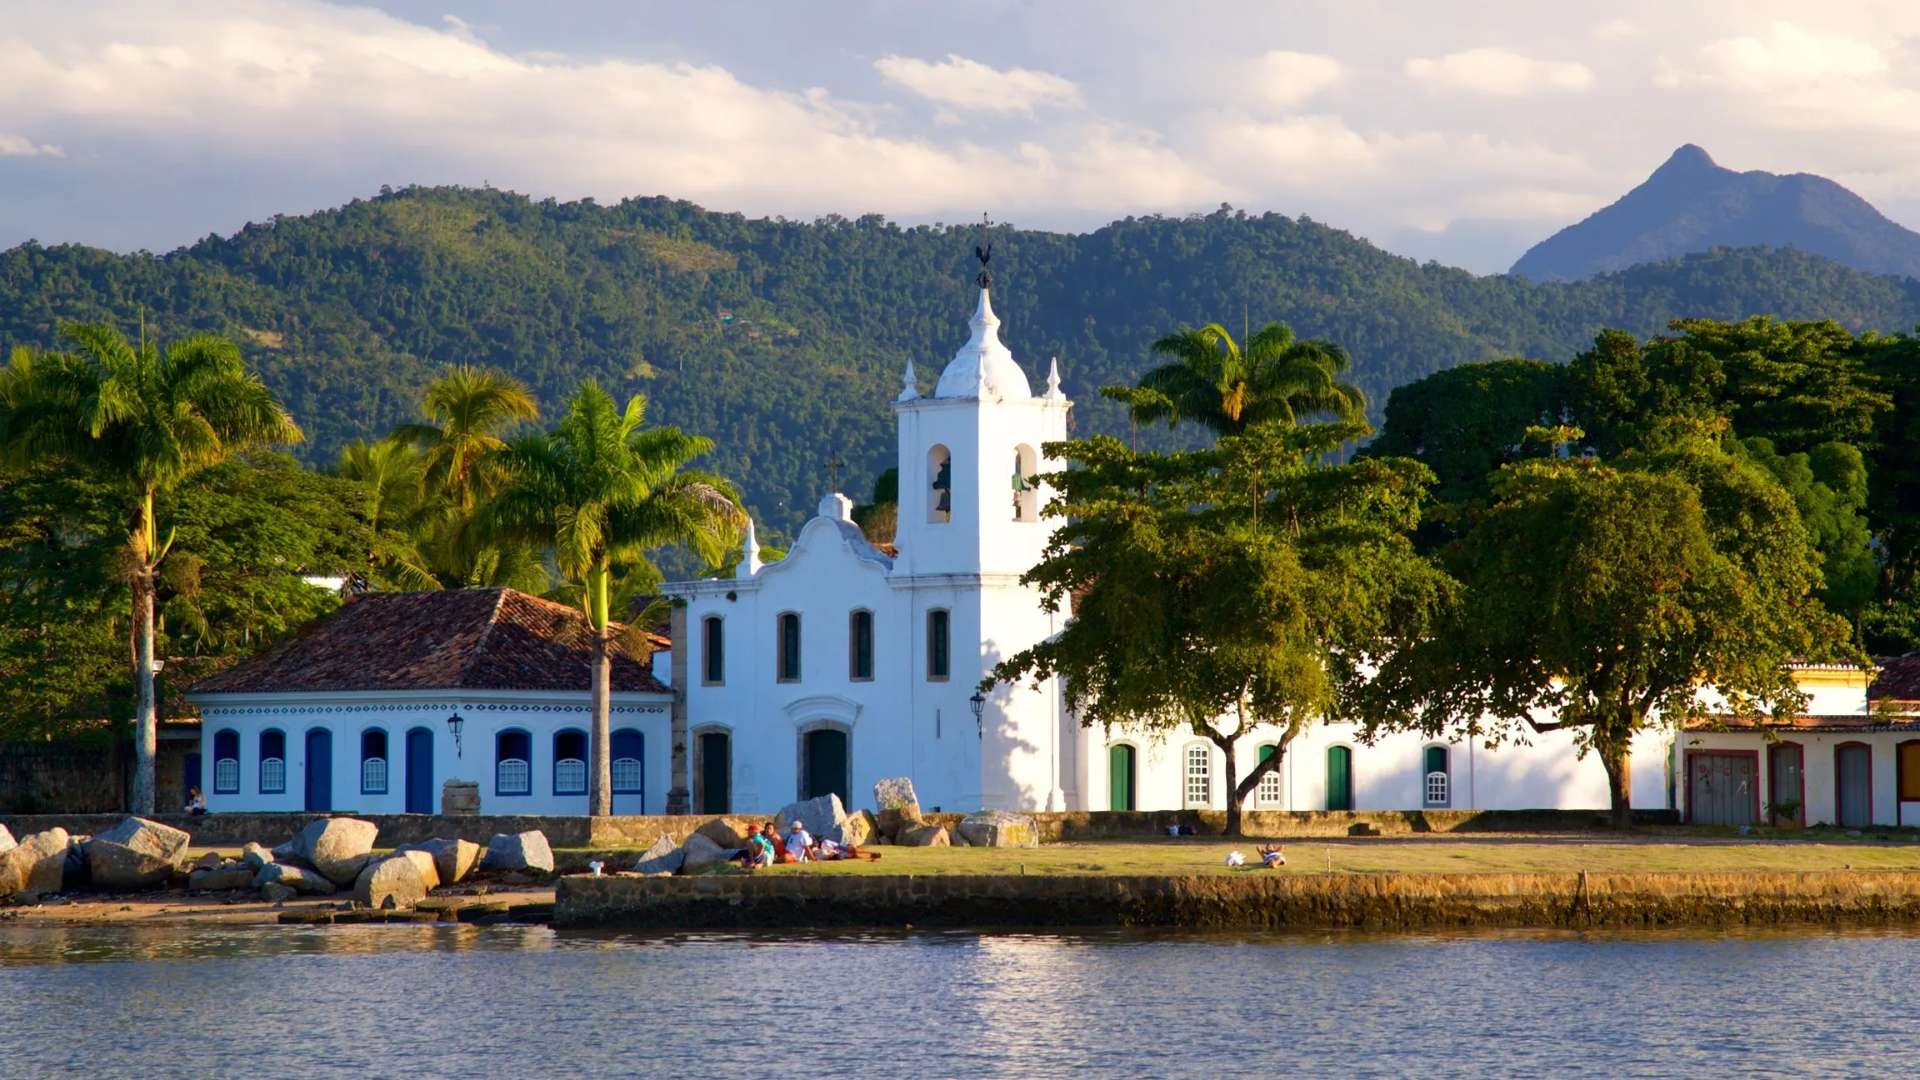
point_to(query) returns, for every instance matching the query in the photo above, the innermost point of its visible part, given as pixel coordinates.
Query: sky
(1437, 129)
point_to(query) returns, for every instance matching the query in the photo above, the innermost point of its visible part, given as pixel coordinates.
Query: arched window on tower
(939, 485)
(1026, 494)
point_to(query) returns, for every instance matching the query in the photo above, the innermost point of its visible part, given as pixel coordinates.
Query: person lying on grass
(1273, 857)
(829, 849)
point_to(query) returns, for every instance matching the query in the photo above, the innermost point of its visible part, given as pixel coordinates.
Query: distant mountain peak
(1691, 203)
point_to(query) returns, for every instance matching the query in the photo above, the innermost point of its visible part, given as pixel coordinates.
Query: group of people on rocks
(765, 847)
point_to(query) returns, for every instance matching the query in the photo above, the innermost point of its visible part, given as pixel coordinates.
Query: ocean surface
(512, 1002)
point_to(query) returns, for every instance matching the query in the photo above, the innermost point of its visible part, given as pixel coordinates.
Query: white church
(843, 664)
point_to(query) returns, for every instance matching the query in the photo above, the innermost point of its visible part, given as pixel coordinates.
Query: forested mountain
(784, 341)
(1692, 204)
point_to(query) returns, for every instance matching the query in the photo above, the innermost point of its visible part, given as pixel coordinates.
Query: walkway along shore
(1251, 899)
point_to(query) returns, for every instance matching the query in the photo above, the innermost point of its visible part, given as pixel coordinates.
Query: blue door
(319, 770)
(419, 771)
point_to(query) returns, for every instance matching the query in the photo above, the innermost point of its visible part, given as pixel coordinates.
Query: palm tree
(1212, 381)
(467, 409)
(601, 491)
(394, 504)
(145, 420)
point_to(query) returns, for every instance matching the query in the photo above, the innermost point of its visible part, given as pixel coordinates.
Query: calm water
(524, 1002)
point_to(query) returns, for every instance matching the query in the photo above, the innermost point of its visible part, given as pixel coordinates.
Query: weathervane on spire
(984, 252)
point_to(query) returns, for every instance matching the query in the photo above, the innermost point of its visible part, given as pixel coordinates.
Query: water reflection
(454, 1000)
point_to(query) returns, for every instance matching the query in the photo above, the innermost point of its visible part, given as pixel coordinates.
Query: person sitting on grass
(754, 854)
(196, 802)
(799, 844)
(830, 848)
(1273, 856)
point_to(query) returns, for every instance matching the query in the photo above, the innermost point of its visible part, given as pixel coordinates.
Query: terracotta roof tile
(1899, 679)
(459, 639)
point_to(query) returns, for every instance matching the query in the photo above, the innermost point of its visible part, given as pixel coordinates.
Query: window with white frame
(628, 757)
(273, 762)
(1199, 776)
(1438, 777)
(373, 762)
(226, 763)
(1268, 793)
(570, 763)
(513, 764)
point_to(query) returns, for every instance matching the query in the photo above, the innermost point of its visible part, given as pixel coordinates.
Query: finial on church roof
(1053, 380)
(909, 386)
(984, 252)
(749, 554)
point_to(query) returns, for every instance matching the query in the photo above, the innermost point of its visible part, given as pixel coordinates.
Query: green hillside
(785, 340)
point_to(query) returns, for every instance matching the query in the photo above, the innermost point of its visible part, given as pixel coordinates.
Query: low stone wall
(1250, 899)
(640, 831)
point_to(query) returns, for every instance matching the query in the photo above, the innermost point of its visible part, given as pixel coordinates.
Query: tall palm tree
(1214, 382)
(144, 419)
(468, 408)
(601, 491)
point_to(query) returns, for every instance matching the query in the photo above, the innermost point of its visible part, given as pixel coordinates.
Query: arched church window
(939, 647)
(939, 485)
(1026, 496)
(713, 643)
(789, 648)
(860, 646)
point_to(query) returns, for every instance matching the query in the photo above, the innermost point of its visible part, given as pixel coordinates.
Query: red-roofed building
(372, 709)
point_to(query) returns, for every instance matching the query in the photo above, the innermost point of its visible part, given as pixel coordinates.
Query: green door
(716, 773)
(1120, 777)
(827, 764)
(1339, 778)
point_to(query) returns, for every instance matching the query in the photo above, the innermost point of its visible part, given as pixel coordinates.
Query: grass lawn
(1208, 856)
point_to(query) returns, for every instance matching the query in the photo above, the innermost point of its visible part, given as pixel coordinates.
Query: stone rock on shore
(826, 819)
(893, 822)
(256, 856)
(135, 854)
(999, 828)
(235, 875)
(926, 836)
(896, 793)
(212, 860)
(337, 847)
(35, 864)
(519, 851)
(276, 893)
(726, 832)
(7, 842)
(293, 877)
(398, 881)
(453, 859)
(700, 853)
(664, 857)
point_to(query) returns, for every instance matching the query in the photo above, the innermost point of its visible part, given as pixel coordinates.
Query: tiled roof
(459, 639)
(1899, 679)
(1841, 722)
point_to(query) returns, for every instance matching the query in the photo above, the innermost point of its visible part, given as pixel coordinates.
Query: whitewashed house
(373, 708)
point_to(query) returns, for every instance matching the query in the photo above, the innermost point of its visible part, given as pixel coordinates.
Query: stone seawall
(576, 831)
(1251, 899)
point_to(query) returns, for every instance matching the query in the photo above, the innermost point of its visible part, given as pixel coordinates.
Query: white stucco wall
(347, 715)
(1820, 769)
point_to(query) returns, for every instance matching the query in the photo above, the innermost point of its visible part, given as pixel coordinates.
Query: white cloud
(21, 146)
(961, 83)
(1786, 53)
(1499, 73)
(1283, 79)
(1614, 30)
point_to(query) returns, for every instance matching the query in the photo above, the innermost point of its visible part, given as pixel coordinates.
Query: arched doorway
(1853, 785)
(714, 749)
(319, 771)
(824, 764)
(1339, 778)
(1120, 777)
(419, 771)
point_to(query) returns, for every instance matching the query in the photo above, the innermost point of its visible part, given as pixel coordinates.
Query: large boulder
(727, 832)
(399, 881)
(135, 854)
(234, 875)
(926, 836)
(700, 853)
(338, 847)
(75, 876)
(293, 877)
(34, 865)
(664, 857)
(452, 859)
(519, 851)
(894, 793)
(7, 842)
(999, 828)
(256, 856)
(860, 828)
(894, 821)
(826, 819)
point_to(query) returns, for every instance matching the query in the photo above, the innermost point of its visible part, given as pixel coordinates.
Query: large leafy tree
(1226, 591)
(144, 419)
(1607, 599)
(602, 491)
(1214, 381)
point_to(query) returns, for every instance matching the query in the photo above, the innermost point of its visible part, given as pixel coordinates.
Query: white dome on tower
(983, 367)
